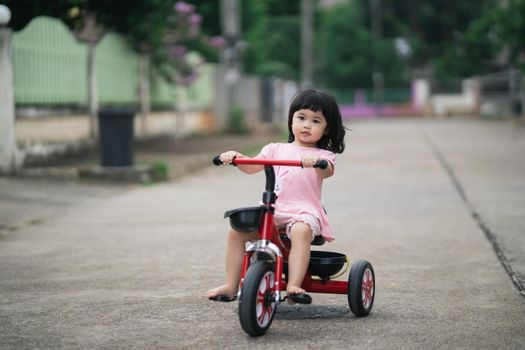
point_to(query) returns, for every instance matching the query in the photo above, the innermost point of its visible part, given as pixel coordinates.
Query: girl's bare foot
(223, 290)
(293, 290)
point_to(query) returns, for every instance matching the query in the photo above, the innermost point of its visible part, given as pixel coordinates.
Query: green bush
(236, 121)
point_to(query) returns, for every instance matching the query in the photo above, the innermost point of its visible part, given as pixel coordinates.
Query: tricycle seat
(318, 240)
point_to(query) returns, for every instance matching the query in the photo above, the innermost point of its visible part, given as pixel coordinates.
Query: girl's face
(308, 127)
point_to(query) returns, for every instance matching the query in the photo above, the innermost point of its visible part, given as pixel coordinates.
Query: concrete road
(427, 202)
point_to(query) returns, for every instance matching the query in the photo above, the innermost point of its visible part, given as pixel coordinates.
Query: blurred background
(206, 67)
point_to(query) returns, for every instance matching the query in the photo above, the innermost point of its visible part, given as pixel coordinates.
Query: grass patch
(161, 170)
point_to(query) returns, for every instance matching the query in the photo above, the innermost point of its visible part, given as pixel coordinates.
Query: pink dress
(299, 189)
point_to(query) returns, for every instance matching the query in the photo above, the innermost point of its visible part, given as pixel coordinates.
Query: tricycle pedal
(301, 298)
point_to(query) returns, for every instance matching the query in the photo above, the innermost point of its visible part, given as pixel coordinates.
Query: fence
(502, 93)
(49, 69)
(397, 95)
(49, 66)
(117, 71)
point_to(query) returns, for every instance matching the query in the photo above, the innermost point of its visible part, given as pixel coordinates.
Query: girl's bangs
(313, 102)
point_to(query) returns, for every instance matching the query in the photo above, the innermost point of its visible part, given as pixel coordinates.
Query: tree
(450, 39)
(348, 53)
(271, 29)
(499, 32)
(23, 11)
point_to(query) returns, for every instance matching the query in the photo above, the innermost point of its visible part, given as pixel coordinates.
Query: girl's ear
(326, 131)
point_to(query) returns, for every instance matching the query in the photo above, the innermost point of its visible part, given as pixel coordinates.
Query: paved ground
(431, 203)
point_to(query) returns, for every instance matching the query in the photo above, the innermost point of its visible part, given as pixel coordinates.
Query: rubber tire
(248, 298)
(355, 290)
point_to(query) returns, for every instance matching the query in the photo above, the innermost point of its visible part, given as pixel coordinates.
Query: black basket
(245, 219)
(326, 264)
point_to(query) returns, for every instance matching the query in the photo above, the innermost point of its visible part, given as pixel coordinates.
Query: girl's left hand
(309, 160)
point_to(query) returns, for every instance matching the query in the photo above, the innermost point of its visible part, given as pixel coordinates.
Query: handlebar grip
(217, 160)
(321, 164)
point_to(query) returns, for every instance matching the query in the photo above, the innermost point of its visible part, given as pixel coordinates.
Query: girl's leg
(235, 246)
(299, 257)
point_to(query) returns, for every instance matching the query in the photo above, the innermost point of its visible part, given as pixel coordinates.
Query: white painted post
(10, 157)
(421, 95)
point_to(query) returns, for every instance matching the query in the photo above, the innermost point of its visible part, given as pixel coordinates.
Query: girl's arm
(309, 161)
(227, 158)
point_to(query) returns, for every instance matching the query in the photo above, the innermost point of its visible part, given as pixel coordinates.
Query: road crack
(489, 234)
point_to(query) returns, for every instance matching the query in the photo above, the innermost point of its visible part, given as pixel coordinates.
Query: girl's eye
(317, 121)
(300, 117)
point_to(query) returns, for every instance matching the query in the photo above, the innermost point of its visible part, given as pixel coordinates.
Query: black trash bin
(116, 136)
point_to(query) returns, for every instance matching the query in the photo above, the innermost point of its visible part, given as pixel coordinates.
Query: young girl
(316, 132)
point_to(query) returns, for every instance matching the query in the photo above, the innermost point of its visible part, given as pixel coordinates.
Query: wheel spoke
(264, 310)
(262, 316)
(367, 288)
(264, 282)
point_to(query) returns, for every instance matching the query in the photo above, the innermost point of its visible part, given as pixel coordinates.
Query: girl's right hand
(227, 157)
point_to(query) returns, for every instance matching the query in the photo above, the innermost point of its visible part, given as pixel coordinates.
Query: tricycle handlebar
(321, 164)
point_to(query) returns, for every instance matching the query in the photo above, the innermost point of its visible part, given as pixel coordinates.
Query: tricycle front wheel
(257, 302)
(361, 288)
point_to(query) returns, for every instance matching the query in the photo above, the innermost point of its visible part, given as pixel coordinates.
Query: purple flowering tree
(181, 36)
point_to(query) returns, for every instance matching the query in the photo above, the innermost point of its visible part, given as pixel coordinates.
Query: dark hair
(315, 100)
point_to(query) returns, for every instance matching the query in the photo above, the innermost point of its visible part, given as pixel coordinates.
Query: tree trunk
(306, 44)
(92, 90)
(144, 92)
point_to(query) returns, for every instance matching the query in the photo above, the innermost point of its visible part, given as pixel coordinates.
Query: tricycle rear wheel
(257, 301)
(361, 288)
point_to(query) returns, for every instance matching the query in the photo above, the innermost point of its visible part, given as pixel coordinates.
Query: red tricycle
(264, 269)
